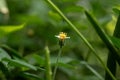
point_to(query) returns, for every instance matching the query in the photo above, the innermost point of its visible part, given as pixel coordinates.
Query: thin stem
(48, 66)
(81, 36)
(56, 64)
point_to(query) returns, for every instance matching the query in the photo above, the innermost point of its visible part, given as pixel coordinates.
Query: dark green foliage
(111, 62)
(30, 24)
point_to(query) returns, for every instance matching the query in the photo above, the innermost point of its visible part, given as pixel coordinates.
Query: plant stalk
(48, 66)
(56, 64)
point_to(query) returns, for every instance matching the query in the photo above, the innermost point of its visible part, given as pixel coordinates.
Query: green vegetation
(31, 49)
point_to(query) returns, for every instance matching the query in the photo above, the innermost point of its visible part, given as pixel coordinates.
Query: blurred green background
(41, 24)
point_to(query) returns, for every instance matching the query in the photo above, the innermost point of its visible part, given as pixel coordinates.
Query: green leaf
(112, 49)
(35, 59)
(111, 61)
(116, 41)
(19, 63)
(116, 10)
(92, 70)
(8, 29)
(30, 75)
(13, 52)
(4, 30)
(39, 59)
(3, 54)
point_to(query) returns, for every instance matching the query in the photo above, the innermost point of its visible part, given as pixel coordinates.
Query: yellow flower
(62, 36)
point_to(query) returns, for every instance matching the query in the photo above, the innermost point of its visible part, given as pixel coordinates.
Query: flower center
(62, 36)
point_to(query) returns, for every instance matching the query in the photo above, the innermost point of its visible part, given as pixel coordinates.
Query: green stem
(80, 35)
(48, 66)
(56, 64)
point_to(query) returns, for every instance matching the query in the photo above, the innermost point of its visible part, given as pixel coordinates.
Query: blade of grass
(117, 28)
(111, 64)
(19, 63)
(104, 37)
(30, 75)
(92, 70)
(80, 35)
(14, 53)
(113, 54)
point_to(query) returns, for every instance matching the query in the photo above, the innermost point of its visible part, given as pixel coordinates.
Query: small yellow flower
(62, 36)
